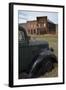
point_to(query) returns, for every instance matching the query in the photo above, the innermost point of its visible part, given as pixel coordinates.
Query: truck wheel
(42, 67)
(36, 72)
(47, 65)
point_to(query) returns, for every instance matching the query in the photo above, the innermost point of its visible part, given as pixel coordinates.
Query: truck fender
(50, 54)
(44, 54)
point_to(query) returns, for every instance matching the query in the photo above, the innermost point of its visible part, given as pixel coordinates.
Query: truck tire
(42, 65)
(47, 64)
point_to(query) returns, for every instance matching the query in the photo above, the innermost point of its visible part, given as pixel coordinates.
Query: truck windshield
(21, 36)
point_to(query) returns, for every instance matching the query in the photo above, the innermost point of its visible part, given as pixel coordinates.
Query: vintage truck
(35, 57)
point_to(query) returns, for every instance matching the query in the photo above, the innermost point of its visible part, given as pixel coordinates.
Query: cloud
(24, 16)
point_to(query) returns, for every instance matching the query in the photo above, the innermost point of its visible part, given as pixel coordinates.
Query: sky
(24, 16)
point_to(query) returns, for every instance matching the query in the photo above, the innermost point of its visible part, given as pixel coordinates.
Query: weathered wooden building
(41, 26)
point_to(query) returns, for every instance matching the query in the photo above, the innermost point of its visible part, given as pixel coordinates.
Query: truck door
(23, 51)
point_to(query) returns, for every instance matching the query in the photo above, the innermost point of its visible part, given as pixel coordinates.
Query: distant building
(32, 27)
(40, 26)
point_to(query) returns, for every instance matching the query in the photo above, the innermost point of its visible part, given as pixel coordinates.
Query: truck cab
(35, 57)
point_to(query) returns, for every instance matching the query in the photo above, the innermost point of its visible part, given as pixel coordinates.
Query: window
(34, 30)
(21, 36)
(39, 25)
(44, 24)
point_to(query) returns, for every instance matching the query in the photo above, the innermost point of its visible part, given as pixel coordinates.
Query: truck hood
(37, 42)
